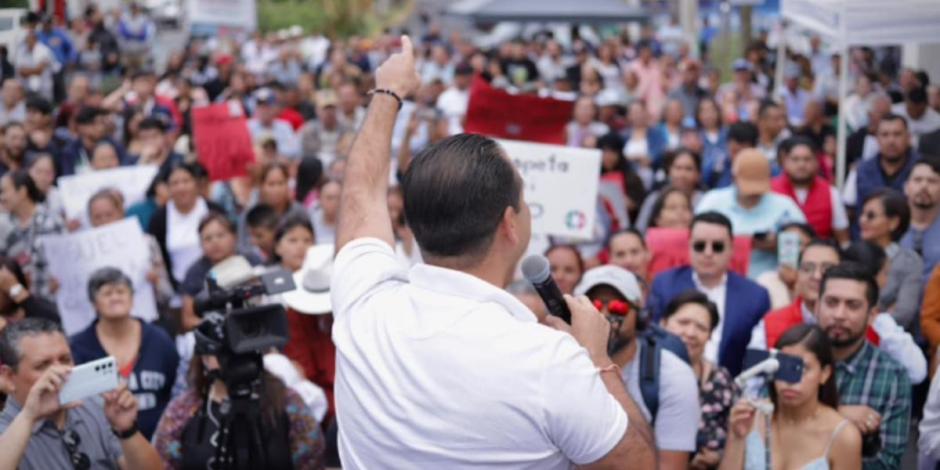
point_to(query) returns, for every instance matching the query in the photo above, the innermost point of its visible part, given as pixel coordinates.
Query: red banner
(495, 113)
(669, 248)
(223, 142)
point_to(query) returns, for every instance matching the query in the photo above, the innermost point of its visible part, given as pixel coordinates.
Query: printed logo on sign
(575, 219)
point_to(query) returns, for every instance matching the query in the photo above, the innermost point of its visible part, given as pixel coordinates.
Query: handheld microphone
(536, 270)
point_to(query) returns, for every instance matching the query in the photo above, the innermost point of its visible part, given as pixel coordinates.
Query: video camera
(234, 331)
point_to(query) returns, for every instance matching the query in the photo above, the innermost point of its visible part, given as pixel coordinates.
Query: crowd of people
(846, 278)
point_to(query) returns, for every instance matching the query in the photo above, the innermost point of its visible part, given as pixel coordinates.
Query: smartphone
(90, 379)
(791, 367)
(788, 249)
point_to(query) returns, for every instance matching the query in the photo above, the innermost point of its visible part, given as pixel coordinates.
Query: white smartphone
(788, 249)
(90, 379)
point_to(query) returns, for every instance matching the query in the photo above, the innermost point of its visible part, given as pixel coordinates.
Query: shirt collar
(12, 408)
(461, 284)
(892, 249)
(808, 316)
(858, 360)
(698, 282)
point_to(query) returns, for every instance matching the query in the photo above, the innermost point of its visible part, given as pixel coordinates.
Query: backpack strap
(650, 353)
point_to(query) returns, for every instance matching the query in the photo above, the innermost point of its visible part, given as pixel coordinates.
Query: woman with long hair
(806, 430)
(566, 265)
(28, 220)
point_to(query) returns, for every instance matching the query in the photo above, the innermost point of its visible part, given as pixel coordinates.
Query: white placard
(74, 257)
(131, 181)
(560, 186)
(239, 14)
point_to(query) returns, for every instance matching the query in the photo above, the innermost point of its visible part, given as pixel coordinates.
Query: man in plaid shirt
(874, 390)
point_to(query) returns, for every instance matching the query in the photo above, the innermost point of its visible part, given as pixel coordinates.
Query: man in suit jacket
(741, 302)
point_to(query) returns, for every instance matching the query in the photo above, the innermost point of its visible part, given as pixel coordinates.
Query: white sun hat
(312, 295)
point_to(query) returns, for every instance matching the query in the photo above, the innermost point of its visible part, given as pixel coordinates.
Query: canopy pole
(843, 92)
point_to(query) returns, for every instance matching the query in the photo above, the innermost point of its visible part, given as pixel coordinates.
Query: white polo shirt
(436, 368)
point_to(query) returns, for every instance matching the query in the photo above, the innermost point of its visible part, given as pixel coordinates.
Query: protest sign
(222, 140)
(560, 186)
(131, 181)
(496, 113)
(669, 248)
(74, 257)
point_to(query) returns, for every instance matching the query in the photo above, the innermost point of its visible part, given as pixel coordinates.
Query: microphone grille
(535, 268)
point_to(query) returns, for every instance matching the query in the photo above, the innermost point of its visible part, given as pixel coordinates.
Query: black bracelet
(389, 93)
(126, 434)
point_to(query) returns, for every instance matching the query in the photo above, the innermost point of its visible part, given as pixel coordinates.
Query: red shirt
(312, 347)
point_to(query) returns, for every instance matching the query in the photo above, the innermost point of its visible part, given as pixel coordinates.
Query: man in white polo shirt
(439, 367)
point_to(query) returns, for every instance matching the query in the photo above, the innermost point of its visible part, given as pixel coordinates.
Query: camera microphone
(536, 270)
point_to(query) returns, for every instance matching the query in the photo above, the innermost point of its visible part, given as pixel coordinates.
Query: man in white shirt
(677, 412)
(35, 63)
(12, 102)
(439, 367)
(453, 101)
(921, 119)
(265, 125)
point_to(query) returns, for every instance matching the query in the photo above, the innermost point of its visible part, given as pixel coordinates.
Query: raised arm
(363, 210)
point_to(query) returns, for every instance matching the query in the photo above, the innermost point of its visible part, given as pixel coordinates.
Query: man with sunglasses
(616, 293)
(38, 433)
(741, 302)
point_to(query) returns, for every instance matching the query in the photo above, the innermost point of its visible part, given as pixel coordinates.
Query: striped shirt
(873, 379)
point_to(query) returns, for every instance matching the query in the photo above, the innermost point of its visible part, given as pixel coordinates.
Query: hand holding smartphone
(90, 379)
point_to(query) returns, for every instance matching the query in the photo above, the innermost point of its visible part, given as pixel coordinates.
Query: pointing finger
(406, 47)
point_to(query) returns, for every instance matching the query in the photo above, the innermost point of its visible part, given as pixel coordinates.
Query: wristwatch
(16, 290)
(126, 434)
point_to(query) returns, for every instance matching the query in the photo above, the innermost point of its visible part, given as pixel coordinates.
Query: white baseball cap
(616, 277)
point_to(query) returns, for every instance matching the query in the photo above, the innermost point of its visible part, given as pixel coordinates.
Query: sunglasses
(614, 307)
(717, 247)
(80, 460)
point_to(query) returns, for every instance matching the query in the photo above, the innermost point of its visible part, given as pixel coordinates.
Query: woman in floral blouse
(693, 318)
(22, 226)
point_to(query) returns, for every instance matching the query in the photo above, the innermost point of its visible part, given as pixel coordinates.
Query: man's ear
(508, 225)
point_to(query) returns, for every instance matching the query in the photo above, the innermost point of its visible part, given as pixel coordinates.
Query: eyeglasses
(717, 247)
(80, 460)
(614, 307)
(810, 268)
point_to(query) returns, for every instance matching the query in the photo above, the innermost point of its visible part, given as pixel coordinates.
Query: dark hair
(893, 117)
(456, 192)
(867, 254)
(931, 161)
(214, 216)
(806, 229)
(11, 265)
(698, 112)
(262, 216)
(790, 143)
(195, 169)
(895, 205)
(610, 141)
(712, 217)
(744, 133)
(765, 106)
(273, 392)
(39, 104)
(271, 166)
(814, 339)
(152, 123)
(105, 276)
(11, 336)
(692, 296)
(818, 242)
(660, 203)
(632, 184)
(917, 96)
(627, 231)
(572, 249)
(670, 157)
(854, 272)
(20, 178)
(309, 174)
(287, 224)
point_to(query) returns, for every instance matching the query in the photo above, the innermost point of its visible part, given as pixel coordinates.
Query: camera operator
(191, 425)
(38, 433)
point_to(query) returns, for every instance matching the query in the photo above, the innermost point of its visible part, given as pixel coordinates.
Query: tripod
(240, 444)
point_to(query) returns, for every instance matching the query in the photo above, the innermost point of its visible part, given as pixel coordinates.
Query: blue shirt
(926, 243)
(60, 44)
(768, 215)
(154, 372)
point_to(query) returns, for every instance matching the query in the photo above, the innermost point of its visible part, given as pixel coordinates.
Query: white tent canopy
(867, 22)
(863, 22)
